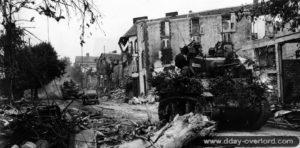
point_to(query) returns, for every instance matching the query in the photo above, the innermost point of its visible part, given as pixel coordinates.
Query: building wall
(89, 80)
(141, 36)
(212, 31)
(243, 32)
(131, 64)
(153, 28)
(289, 51)
(179, 34)
(259, 27)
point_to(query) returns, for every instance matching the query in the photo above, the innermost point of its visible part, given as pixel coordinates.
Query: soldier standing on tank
(182, 61)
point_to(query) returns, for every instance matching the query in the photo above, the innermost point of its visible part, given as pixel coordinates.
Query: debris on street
(118, 95)
(182, 80)
(287, 117)
(182, 129)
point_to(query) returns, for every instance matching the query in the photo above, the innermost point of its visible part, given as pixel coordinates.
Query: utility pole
(81, 66)
(48, 29)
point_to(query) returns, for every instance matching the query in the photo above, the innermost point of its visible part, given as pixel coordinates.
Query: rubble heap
(62, 128)
(118, 95)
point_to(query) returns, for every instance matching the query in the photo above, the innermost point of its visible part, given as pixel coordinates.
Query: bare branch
(30, 33)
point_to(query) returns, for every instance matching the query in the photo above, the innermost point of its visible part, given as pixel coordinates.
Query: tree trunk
(176, 134)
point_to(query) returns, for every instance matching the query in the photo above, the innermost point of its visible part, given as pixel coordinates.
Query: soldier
(182, 61)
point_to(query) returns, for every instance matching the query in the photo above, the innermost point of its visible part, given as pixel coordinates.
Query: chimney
(139, 18)
(87, 54)
(171, 14)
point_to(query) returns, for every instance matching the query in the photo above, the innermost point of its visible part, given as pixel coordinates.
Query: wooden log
(176, 134)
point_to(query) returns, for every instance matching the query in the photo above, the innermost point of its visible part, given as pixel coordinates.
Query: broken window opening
(226, 37)
(165, 29)
(228, 22)
(195, 26)
(131, 47)
(166, 44)
(266, 58)
(136, 46)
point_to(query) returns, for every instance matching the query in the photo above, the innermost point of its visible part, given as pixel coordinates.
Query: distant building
(86, 62)
(108, 71)
(88, 66)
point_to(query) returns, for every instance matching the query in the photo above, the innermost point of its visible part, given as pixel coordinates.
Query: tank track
(169, 107)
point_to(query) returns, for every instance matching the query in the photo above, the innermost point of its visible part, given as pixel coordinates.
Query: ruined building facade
(152, 44)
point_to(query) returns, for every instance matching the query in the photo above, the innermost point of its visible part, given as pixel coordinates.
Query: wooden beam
(270, 42)
(278, 54)
(258, 44)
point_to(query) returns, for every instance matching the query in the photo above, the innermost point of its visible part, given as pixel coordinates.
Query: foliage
(286, 10)
(173, 83)
(227, 91)
(57, 10)
(237, 92)
(36, 66)
(12, 35)
(42, 64)
(10, 43)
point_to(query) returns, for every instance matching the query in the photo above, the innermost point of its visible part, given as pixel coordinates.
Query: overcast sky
(117, 19)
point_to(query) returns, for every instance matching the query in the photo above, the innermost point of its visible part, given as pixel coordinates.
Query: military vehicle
(221, 65)
(70, 90)
(90, 97)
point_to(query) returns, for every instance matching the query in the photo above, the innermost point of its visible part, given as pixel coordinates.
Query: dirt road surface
(144, 112)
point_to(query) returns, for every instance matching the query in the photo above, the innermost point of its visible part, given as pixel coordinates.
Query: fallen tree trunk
(176, 134)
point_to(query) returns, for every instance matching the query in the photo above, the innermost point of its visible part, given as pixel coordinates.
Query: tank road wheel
(169, 107)
(261, 115)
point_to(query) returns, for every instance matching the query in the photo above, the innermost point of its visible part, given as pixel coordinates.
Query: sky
(117, 19)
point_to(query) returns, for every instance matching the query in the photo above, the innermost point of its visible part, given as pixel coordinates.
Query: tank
(220, 88)
(70, 90)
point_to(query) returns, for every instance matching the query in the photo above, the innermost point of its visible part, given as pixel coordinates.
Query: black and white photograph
(149, 73)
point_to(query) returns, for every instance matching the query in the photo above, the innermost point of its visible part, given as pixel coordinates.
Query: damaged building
(87, 64)
(109, 72)
(151, 45)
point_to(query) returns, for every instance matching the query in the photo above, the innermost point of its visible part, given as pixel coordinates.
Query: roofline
(200, 13)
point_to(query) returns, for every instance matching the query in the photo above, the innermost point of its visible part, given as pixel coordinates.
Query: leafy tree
(37, 66)
(286, 12)
(56, 9)
(11, 41)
